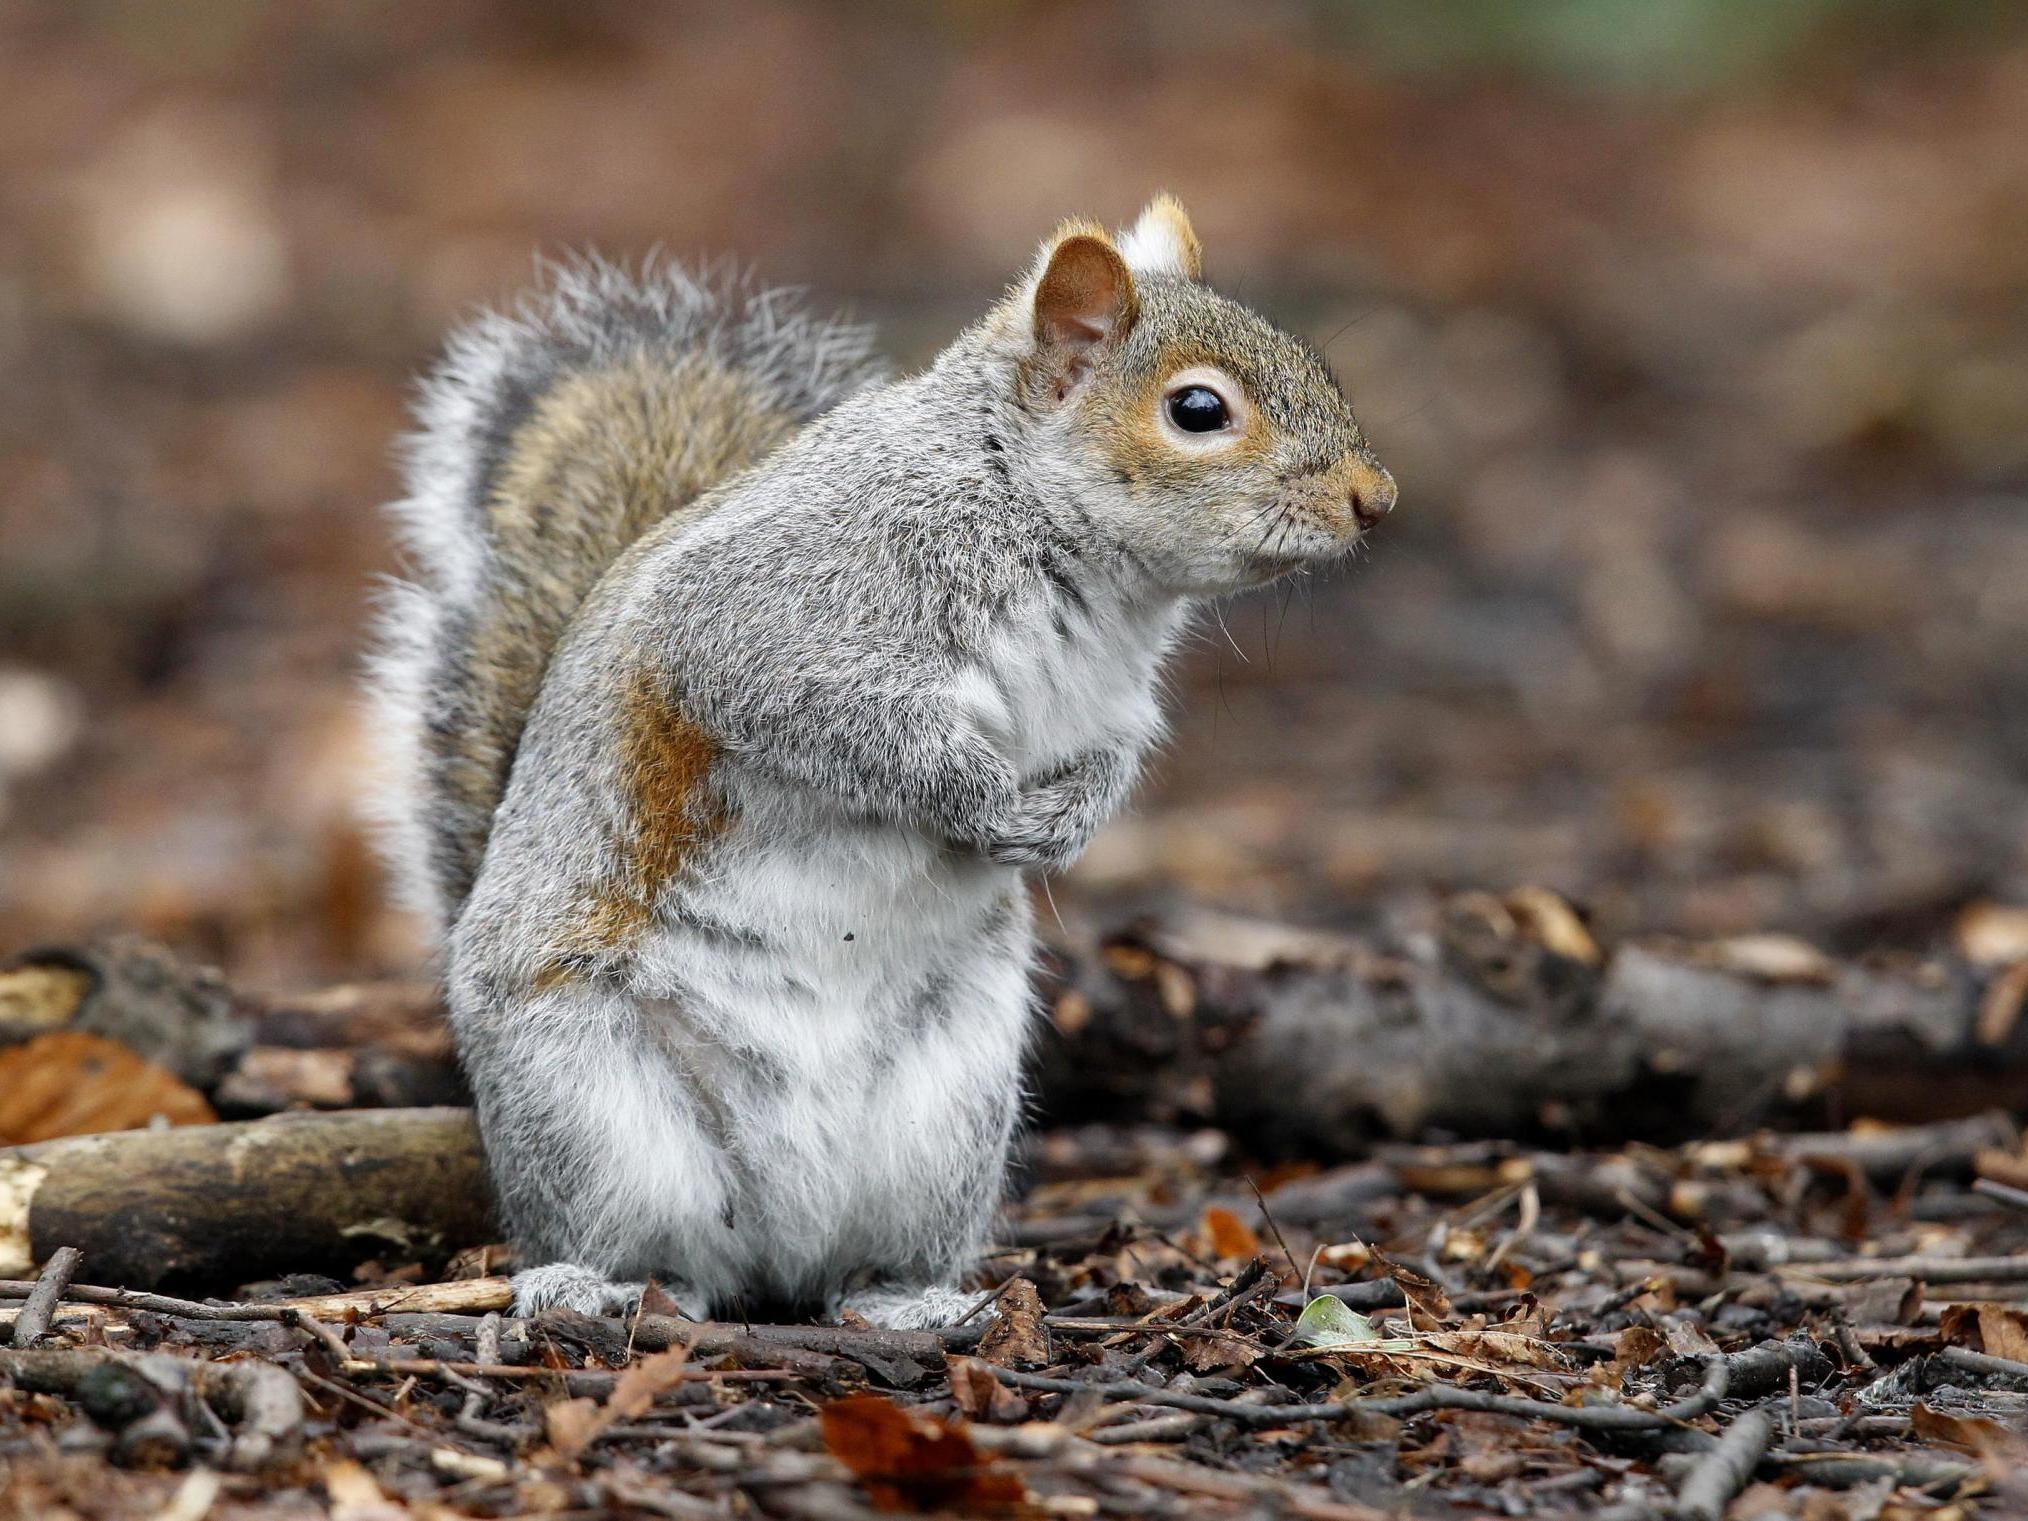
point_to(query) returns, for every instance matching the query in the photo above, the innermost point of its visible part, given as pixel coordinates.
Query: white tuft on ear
(1162, 241)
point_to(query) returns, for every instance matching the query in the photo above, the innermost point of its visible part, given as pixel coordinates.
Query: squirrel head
(1218, 448)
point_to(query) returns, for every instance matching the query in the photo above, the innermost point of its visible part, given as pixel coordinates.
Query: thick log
(214, 1205)
(1307, 1044)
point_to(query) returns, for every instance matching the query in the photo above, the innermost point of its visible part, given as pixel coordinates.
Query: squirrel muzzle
(1369, 492)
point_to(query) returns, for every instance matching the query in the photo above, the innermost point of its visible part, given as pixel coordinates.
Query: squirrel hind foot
(917, 1309)
(569, 1286)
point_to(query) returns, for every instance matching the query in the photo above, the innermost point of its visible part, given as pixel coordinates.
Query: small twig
(1928, 1269)
(1655, 1218)
(1303, 1500)
(155, 1304)
(1531, 1213)
(1849, 1348)
(1724, 1471)
(461, 1294)
(987, 1301)
(1269, 1216)
(1154, 1428)
(353, 1396)
(1985, 1364)
(471, 1416)
(33, 1322)
(1433, 1397)
(325, 1337)
(1252, 1281)
(2006, 1193)
(455, 1372)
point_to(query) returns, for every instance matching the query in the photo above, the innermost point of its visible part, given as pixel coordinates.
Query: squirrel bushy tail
(549, 442)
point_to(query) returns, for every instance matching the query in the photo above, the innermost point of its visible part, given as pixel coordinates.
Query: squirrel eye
(1198, 409)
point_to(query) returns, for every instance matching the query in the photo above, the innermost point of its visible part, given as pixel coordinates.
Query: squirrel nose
(1371, 494)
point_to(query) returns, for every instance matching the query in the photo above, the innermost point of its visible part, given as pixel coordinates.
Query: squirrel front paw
(567, 1286)
(1053, 821)
(1035, 847)
(912, 1309)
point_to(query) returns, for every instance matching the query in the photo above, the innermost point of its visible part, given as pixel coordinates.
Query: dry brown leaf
(1883, 1301)
(1991, 1441)
(1017, 1337)
(635, 1389)
(1492, 1465)
(1494, 1349)
(571, 1425)
(1995, 1329)
(1687, 1340)
(911, 1462)
(1447, 1179)
(981, 1396)
(2002, 1167)
(1636, 1347)
(1425, 1296)
(279, 1077)
(72, 1083)
(1228, 1235)
(656, 1300)
(1219, 1354)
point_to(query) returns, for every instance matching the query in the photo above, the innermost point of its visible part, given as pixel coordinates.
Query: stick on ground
(1724, 1471)
(33, 1323)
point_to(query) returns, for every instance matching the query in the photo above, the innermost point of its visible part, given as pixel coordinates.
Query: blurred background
(1696, 332)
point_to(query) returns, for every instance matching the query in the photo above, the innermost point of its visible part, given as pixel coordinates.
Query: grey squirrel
(739, 685)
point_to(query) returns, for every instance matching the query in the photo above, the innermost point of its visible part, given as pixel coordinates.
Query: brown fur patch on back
(605, 455)
(664, 770)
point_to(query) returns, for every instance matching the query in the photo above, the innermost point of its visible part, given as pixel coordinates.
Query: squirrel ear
(1084, 298)
(1163, 242)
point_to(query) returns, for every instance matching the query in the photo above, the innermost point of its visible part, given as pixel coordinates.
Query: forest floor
(1831, 1324)
(1472, 1348)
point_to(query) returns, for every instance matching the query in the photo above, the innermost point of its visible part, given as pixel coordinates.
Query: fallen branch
(1301, 1043)
(226, 1203)
(33, 1322)
(1726, 1469)
(1840, 1470)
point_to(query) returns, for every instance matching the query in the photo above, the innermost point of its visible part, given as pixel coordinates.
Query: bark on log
(214, 1205)
(1314, 1045)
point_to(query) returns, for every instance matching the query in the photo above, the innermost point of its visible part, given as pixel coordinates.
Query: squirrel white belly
(739, 688)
